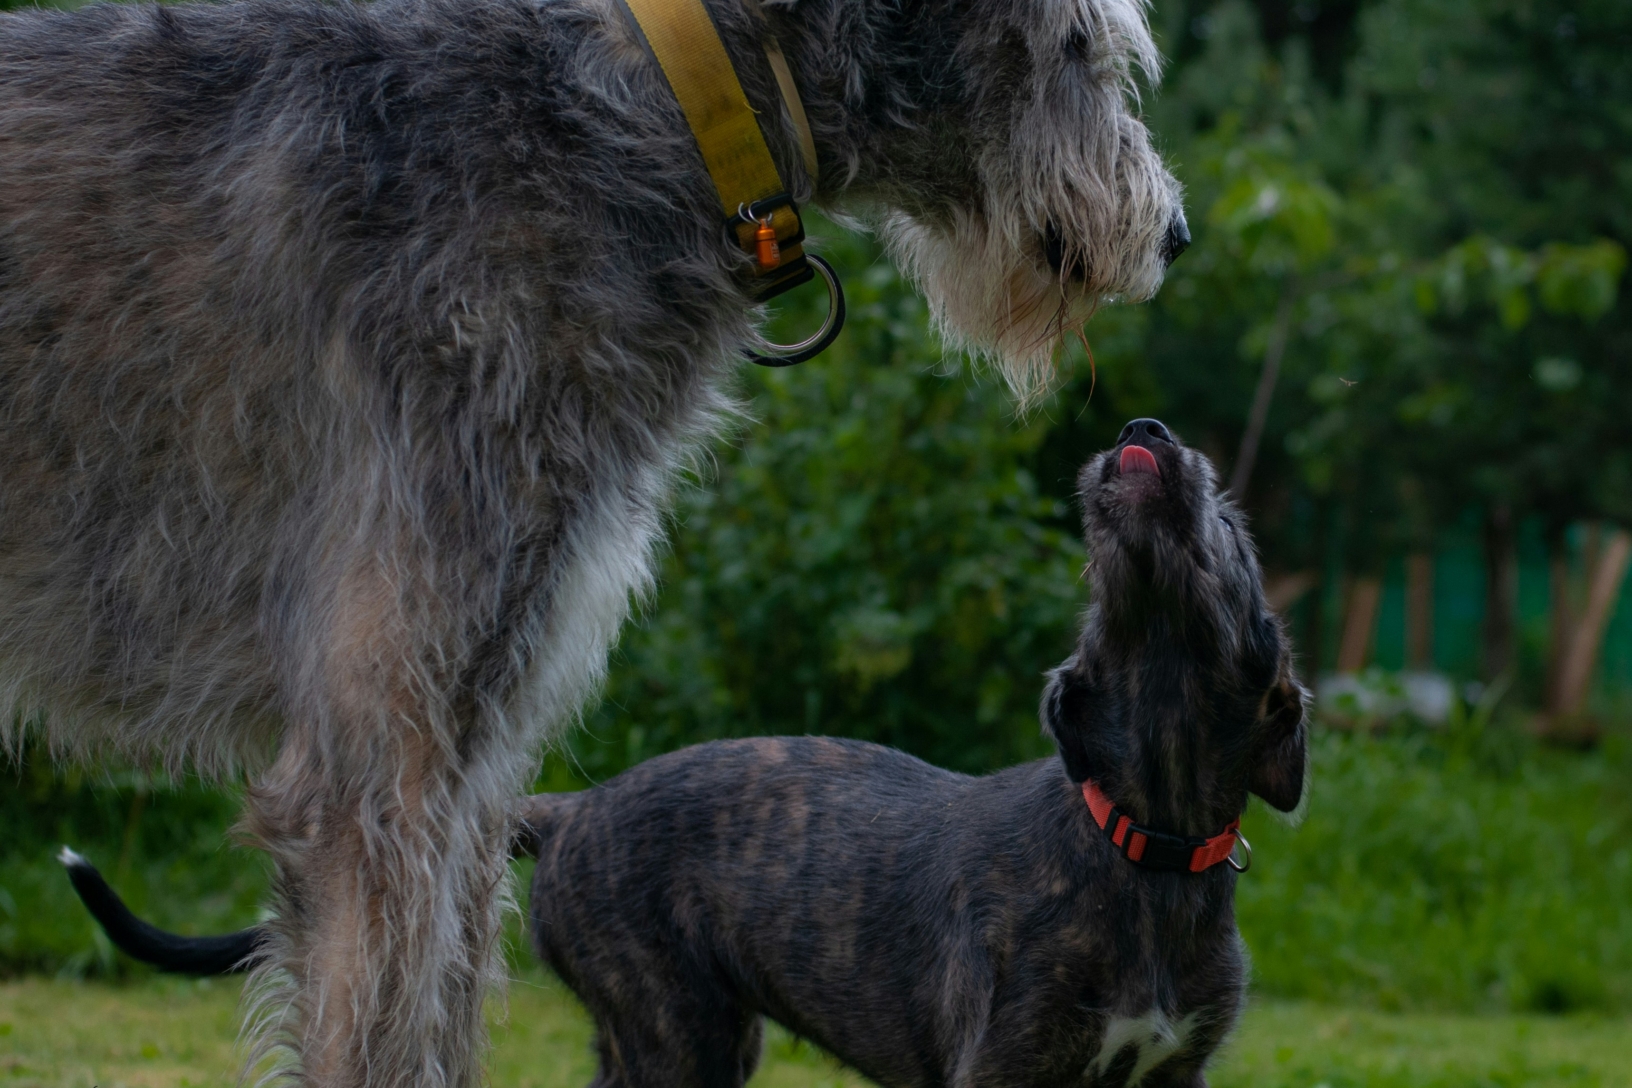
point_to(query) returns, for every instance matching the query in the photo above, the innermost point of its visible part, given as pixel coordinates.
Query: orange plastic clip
(768, 251)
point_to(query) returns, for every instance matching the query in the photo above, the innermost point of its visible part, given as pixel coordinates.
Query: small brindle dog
(1067, 921)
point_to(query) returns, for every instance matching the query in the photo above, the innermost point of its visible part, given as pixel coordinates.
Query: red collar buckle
(1158, 850)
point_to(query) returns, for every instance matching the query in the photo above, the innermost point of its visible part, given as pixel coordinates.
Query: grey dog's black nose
(1178, 238)
(1145, 432)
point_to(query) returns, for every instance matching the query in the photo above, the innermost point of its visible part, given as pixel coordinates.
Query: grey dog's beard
(990, 293)
(988, 297)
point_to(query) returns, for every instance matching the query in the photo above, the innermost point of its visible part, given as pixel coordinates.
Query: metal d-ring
(1245, 846)
(792, 354)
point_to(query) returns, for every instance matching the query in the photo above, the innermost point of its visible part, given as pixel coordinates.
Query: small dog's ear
(1280, 757)
(1065, 711)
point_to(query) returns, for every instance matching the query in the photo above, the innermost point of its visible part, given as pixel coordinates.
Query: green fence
(1459, 612)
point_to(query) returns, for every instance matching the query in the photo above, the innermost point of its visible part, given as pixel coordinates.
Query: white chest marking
(1154, 1035)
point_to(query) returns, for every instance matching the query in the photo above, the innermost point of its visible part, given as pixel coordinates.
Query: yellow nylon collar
(796, 108)
(683, 38)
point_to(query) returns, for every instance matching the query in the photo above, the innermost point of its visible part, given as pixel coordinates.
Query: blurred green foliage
(872, 555)
(1438, 205)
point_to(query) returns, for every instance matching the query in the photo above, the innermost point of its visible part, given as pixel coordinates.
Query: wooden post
(1359, 623)
(1283, 589)
(1419, 612)
(1247, 455)
(1606, 577)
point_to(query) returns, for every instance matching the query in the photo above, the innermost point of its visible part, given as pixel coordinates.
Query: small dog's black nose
(1178, 238)
(1145, 432)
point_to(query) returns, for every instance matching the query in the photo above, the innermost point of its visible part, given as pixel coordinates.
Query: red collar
(1158, 850)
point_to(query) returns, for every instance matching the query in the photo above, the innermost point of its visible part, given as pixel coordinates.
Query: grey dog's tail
(231, 952)
(148, 943)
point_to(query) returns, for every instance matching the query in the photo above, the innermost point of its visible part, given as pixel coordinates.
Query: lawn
(1455, 912)
(168, 1033)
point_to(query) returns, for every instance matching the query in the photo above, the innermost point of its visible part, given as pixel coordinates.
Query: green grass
(1472, 871)
(1300, 1045)
(166, 1033)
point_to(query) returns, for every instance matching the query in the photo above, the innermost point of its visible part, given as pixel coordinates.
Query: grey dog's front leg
(387, 815)
(389, 894)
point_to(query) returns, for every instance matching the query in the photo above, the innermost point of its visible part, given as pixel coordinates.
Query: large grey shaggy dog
(347, 352)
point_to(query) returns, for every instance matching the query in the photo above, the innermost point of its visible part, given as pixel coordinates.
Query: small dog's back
(768, 875)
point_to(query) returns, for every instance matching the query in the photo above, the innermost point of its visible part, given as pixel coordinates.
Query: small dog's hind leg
(750, 1047)
(712, 1044)
(610, 1072)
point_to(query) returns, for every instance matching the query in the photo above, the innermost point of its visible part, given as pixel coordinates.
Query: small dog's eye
(1224, 521)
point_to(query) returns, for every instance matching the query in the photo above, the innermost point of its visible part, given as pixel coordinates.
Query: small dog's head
(1181, 695)
(998, 144)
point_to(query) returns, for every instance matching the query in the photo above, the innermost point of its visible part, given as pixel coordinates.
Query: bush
(874, 557)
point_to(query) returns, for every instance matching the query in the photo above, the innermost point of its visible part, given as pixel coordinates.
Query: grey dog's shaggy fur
(934, 929)
(347, 351)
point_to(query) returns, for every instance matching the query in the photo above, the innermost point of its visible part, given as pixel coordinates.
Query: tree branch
(1273, 351)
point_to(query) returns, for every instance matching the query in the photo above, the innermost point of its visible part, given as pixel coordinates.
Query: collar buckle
(681, 36)
(1152, 849)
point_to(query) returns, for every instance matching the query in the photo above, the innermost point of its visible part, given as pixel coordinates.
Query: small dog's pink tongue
(1139, 459)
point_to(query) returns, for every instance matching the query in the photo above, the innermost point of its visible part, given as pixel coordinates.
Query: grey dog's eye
(1077, 45)
(1224, 521)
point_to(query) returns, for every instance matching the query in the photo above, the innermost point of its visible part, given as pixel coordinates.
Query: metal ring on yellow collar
(790, 354)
